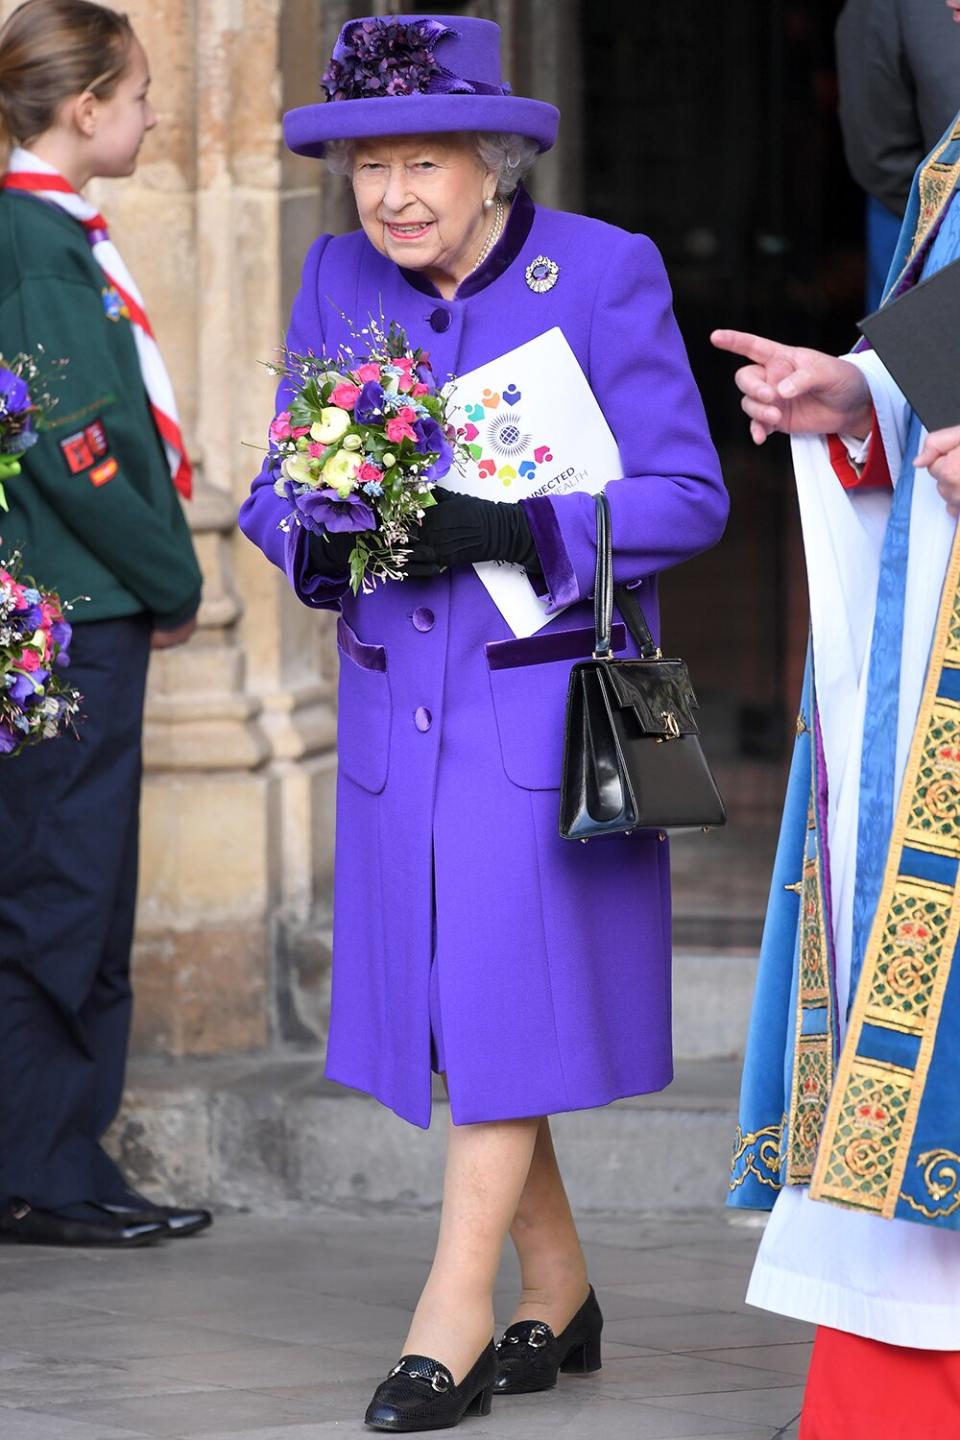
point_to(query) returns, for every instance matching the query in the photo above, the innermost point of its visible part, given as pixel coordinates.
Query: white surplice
(888, 1280)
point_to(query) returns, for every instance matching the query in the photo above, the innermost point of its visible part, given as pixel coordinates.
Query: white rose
(297, 469)
(332, 424)
(340, 472)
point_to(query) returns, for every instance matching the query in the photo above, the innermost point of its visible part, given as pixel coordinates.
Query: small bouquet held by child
(35, 703)
(361, 447)
(24, 399)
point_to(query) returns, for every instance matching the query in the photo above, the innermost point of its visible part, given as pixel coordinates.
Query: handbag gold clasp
(670, 721)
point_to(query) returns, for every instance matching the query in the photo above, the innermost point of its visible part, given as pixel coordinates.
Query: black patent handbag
(632, 758)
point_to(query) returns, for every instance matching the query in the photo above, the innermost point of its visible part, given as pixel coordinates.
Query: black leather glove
(330, 552)
(461, 530)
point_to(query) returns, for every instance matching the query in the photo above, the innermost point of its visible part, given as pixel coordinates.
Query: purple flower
(431, 439)
(389, 57)
(321, 510)
(8, 740)
(369, 406)
(21, 689)
(14, 392)
(62, 632)
(30, 619)
(16, 407)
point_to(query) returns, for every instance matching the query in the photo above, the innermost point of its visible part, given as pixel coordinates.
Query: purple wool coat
(468, 937)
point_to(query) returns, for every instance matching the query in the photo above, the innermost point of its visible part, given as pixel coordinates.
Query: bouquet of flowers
(362, 446)
(35, 703)
(24, 397)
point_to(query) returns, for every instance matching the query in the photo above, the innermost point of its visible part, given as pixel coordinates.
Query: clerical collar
(508, 247)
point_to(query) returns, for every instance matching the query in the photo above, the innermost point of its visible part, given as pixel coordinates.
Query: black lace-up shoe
(419, 1394)
(21, 1224)
(179, 1220)
(531, 1356)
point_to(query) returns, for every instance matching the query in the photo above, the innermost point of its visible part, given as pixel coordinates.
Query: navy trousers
(69, 816)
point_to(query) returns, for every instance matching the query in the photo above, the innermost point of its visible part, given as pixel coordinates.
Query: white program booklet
(533, 427)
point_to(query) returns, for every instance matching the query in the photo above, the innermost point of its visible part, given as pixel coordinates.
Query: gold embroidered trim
(812, 1052)
(937, 183)
(759, 1148)
(873, 1110)
(941, 1176)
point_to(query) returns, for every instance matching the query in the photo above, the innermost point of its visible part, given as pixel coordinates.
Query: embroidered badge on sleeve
(100, 474)
(83, 449)
(77, 453)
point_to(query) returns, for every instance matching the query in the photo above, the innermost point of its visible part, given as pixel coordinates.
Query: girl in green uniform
(95, 513)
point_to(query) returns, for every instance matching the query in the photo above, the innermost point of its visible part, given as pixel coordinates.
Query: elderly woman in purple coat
(470, 940)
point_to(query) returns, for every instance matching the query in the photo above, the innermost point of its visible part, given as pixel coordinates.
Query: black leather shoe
(419, 1394)
(179, 1222)
(21, 1223)
(531, 1356)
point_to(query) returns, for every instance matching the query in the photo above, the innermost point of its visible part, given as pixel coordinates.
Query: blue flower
(29, 620)
(15, 405)
(431, 439)
(373, 488)
(21, 689)
(369, 407)
(14, 393)
(320, 510)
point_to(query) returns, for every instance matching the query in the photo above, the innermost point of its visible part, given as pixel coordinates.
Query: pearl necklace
(493, 235)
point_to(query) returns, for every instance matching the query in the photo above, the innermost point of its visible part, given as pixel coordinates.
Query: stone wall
(231, 952)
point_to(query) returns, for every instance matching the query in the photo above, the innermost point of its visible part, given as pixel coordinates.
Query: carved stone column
(238, 796)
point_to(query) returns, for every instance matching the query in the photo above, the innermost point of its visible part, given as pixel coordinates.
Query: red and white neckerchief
(28, 172)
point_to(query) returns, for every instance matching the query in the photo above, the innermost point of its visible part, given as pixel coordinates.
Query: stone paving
(279, 1330)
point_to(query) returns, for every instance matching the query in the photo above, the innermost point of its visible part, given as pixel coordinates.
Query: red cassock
(861, 1389)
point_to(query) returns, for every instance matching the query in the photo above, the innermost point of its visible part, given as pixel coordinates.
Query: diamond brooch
(542, 274)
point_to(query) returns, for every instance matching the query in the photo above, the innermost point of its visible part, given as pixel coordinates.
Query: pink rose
(365, 373)
(405, 362)
(314, 450)
(405, 384)
(420, 389)
(280, 428)
(345, 396)
(368, 472)
(399, 429)
(298, 431)
(30, 660)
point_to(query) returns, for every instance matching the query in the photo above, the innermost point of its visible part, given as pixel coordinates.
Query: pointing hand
(797, 391)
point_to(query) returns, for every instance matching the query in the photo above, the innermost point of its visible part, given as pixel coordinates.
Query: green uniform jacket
(94, 512)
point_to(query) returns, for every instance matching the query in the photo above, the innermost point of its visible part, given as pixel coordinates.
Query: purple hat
(416, 75)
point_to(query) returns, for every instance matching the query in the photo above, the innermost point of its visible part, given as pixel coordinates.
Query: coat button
(423, 618)
(440, 320)
(422, 718)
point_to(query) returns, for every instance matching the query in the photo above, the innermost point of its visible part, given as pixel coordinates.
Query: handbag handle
(603, 596)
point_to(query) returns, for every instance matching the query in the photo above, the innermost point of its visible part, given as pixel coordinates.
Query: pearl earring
(488, 203)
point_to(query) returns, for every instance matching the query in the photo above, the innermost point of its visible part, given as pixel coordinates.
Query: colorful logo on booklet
(497, 439)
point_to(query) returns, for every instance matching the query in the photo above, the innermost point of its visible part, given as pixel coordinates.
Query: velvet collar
(503, 254)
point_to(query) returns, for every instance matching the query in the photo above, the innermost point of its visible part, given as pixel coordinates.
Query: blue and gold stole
(888, 1093)
(876, 1127)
